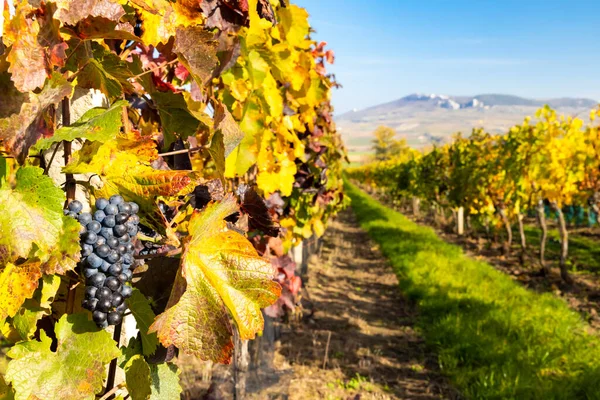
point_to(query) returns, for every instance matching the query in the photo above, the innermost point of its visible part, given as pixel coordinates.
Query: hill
(423, 119)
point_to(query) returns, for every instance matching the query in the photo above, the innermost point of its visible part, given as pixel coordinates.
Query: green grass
(494, 338)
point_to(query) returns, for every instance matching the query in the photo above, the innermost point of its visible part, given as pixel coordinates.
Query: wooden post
(460, 221)
(416, 202)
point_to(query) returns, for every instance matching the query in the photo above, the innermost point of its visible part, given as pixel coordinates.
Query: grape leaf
(70, 12)
(197, 51)
(177, 120)
(94, 76)
(6, 392)
(137, 377)
(35, 227)
(22, 121)
(220, 271)
(165, 382)
(217, 152)
(98, 124)
(232, 134)
(74, 371)
(27, 56)
(144, 316)
(102, 28)
(25, 321)
(124, 167)
(17, 283)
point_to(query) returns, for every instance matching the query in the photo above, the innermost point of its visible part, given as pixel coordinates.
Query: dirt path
(374, 350)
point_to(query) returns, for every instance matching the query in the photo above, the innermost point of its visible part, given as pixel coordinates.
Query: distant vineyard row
(552, 162)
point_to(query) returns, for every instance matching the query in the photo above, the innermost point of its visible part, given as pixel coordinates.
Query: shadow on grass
(493, 338)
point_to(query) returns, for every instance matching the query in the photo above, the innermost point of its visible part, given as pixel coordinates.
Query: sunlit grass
(494, 338)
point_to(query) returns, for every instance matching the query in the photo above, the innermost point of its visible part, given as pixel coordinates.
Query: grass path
(494, 338)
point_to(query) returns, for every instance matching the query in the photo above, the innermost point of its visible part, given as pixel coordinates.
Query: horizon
(389, 49)
(467, 96)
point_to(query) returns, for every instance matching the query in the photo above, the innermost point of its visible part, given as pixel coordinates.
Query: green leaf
(177, 120)
(6, 392)
(3, 170)
(22, 120)
(25, 321)
(220, 275)
(35, 227)
(165, 382)
(217, 152)
(94, 76)
(144, 316)
(98, 124)
(75, 370)
(137, 377)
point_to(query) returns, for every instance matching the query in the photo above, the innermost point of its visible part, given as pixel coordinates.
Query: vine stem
(169, 253)
(70, 187)
(111, 391)
(183, 151)
(112, 370)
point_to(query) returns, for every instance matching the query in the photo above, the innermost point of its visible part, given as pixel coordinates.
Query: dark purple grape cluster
(107, 255)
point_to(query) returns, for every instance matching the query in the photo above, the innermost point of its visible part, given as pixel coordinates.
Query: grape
(89, 237)
(85, 218)
(127, 258)
(90, 304)
(105, 266)
(97, 280)
(114, 318)
(112, 242)
(126, 291)
(112, 283)
(116, 199)
(103, 293)
(124, 239)
(115, 270)
(94, 261)
(113, 257)
(125, 208)
(109, 221)
(132, 231)
(86, 250)
(94, 226)
(99, 215)
(104, 304)
(107, 254)
(121, 218)
(128, 273)
(101, 204)
(103, 250)
(117, 299)
(134, 208)
(66, 211)
(89, 272)
(75, 206)
(121, 308)
(99, 317)
(106, 233)
(111, 209)
(90, 292)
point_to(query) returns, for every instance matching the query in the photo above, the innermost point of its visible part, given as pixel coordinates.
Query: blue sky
(386, 49)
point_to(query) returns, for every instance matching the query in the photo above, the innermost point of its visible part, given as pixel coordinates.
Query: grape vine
(191, 134)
